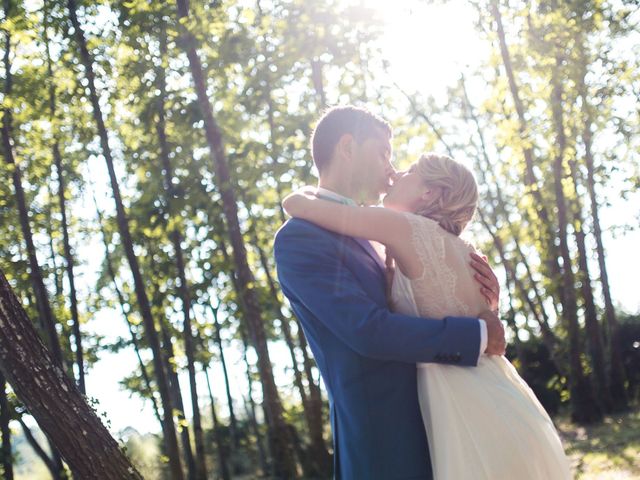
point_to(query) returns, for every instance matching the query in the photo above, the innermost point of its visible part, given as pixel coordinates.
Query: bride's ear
(430, 195)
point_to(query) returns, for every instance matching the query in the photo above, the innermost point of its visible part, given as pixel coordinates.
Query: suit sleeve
(312, 275)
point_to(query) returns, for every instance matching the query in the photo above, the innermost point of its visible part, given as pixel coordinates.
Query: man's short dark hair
(338, 121)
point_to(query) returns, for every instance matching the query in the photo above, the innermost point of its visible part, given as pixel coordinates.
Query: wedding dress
(482, 422)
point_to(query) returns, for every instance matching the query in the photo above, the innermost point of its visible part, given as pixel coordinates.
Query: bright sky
(427, 46)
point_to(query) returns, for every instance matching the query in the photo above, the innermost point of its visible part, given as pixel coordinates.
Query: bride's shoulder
(422, 223)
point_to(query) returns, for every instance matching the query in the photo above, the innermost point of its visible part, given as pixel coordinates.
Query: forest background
(146, 148)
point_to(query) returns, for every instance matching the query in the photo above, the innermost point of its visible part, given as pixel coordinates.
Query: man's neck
(336, 186)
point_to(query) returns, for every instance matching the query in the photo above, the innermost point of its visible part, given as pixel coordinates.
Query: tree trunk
(123, 226)
(222, 449)
(51, 466)
(617, 372)
(264, 464)
(122, 302)
(279, 434)
(176, 399)
(183, 289)
(61, 197)
(45, 314)
(594, 334)
(233, 423)
(550, 251)
(583, 405)
(541, 317)
(52, 398)
(5, 416)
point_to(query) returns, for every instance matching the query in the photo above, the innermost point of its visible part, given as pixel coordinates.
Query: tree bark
(123, 226)
(279, 434)
(52, 398)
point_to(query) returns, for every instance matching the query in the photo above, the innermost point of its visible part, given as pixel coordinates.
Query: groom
(367, 354)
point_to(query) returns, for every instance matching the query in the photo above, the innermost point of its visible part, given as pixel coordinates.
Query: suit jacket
(366, 354)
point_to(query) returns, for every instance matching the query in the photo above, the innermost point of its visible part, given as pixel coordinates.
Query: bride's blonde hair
(458, 198)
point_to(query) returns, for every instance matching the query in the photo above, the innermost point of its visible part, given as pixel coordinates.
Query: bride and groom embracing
(414, 369)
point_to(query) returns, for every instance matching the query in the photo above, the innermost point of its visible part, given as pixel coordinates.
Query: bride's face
(408, 193)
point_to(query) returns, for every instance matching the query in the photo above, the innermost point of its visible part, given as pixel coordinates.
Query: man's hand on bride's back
(496, 343)
(486, 278)
(294, 203)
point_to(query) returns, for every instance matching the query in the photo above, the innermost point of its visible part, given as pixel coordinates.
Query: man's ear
(344, 147)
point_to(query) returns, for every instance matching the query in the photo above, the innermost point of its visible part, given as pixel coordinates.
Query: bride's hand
(295, 203)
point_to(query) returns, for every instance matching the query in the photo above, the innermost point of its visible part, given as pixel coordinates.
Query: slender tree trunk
(262, 455)
(5, 416)
(584, 406)
(123, 226)
(57, 279)
(217, 431)
(233, 423)
(501, 205)
(122, 302)
(51, 466)
(318, 83)
(52, 398)
(68, 255)
(617, 372)
(45, 314)
(176, 239)
(550, 251)
(279, 434)
(177, 401)
(594, 334)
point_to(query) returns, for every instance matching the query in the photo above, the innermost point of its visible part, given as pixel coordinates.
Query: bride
(489, 423)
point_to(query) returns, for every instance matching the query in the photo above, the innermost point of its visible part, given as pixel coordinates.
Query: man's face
(372, 167)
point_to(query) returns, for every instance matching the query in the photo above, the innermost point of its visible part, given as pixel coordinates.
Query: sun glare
(429, 45)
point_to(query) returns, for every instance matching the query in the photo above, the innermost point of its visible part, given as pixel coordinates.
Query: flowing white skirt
(485, 422)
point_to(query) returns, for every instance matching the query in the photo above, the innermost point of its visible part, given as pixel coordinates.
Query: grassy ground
(608, 451)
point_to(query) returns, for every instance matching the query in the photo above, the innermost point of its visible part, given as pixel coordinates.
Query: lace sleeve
(435, 289)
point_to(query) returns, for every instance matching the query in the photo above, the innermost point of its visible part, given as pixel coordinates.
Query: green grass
(607, 451)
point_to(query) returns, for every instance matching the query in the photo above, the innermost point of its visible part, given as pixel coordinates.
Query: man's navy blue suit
(366, 354)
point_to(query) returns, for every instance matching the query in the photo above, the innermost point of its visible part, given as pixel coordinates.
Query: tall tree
(45, 313)
(123, 225)
(279, 434)
(68, 255)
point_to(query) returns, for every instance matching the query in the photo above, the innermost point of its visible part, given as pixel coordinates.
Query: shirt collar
(330, 195)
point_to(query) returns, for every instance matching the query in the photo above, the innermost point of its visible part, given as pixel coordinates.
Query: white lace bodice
(447, 286)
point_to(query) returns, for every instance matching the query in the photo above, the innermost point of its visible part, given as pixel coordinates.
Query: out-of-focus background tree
(146, 147)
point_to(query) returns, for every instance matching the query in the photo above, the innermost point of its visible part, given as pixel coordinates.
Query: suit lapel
(366, 246)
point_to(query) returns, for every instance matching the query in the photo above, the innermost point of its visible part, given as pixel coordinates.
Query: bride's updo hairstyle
(456, 204)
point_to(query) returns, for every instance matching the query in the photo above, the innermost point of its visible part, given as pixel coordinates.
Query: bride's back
(447, 286)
